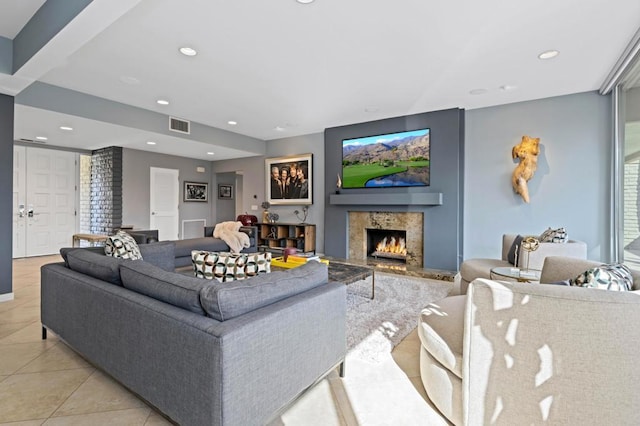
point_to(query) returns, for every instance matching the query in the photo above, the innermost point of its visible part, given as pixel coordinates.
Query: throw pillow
(554, 236)
(517, 243)
(122, 246)
(615, 277)
(226, 267)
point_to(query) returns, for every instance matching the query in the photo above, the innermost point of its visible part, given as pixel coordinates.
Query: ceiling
(282, 69)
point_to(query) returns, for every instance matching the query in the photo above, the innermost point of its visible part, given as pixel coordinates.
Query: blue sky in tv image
(368, 140)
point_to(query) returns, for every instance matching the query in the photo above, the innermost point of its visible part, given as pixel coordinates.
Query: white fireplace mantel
(405, 199)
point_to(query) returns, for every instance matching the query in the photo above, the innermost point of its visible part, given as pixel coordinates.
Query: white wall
(571, 187)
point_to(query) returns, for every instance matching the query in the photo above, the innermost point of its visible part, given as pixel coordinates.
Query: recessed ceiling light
(210, 153)
(549, 54)
(305, 1)
(478, 91)
(66, 128)
(162, 102)
(151, 143)
(42, 138)
(232, 123)
(506, 88)
(279, 129)
(371, 109)
(188, 51)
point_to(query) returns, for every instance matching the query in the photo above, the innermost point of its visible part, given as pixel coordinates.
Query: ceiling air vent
(178, 125)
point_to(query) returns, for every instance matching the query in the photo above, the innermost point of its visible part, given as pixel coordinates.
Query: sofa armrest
(532, 352)
(208, 231)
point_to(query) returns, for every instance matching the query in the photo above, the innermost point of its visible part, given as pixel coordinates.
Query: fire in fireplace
(389, 244)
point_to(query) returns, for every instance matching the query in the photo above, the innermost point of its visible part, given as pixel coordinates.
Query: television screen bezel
(380, 135)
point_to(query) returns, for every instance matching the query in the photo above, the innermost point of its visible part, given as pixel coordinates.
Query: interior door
(50, 200)
(19, 203)
(164, 199)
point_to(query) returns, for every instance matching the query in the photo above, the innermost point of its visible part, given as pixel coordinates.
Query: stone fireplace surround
(412, 223)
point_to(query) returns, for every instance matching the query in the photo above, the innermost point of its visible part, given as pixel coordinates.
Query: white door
(50, 200)
(164, 199)
(44, 200)
(19, 202)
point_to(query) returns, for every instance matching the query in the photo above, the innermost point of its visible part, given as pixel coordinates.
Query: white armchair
(513, 353)
(481, 268)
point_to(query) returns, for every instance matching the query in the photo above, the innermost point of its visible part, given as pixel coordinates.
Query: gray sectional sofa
(202, 352)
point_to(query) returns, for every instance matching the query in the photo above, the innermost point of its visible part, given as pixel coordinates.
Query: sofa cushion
(160, 254)
(616, 277)
(169, 287)
(65, 250)
(441, 331)
(554, 236)
(226, 267)
(96, 265)
(123, 246)
(223, 301)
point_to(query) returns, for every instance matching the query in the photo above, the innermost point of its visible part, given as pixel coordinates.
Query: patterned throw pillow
(122, 246)
(226, 267)
(615, 277)
(554, 236)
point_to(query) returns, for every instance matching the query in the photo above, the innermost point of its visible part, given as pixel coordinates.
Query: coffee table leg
(373, 284)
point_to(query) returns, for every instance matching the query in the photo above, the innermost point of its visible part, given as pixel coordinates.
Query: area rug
(375, 327)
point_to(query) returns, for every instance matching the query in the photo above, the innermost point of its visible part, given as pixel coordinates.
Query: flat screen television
(389, 160)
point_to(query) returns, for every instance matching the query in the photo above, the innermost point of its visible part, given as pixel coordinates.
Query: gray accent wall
(136, 182)
(571, 187)
(443, 224)
(6, 191)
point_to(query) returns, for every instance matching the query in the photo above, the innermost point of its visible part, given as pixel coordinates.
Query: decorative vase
(265, 216)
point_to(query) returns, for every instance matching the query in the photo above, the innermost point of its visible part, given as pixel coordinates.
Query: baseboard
(6, 297)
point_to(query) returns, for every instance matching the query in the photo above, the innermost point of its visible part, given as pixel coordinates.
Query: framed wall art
(196, 191)
(289, 180)
(225, 191)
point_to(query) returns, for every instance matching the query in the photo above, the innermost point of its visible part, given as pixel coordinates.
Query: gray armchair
(471, 269)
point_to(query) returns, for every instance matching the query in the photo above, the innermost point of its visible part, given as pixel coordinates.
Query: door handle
(30, 212)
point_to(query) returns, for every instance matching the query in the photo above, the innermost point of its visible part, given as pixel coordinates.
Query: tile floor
(46, 383)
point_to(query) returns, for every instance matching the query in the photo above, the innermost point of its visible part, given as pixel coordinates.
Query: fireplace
(387, 244)
(406, 225)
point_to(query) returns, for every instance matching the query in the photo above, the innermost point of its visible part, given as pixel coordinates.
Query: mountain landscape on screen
(396, 159)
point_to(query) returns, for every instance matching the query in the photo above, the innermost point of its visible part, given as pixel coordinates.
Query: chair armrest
(533, 350)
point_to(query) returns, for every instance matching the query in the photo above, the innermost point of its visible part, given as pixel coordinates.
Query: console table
(91, 238)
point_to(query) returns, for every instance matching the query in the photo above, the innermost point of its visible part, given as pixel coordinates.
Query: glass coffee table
(346, 271)
(522, 276)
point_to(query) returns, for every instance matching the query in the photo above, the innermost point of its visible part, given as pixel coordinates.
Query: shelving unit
(278, 236)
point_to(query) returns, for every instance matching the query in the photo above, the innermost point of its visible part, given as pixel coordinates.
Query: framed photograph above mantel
(196, 191)
(289, 180)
